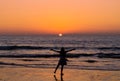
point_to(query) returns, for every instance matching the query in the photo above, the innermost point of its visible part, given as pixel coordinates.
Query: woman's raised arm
(70, 50)
(55, 50)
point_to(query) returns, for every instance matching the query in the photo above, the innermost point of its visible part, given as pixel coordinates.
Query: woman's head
(62, 49)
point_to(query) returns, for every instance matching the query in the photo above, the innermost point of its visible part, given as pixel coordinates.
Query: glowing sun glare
(60, 34)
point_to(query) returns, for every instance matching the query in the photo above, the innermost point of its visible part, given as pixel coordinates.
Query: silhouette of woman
(62, 60)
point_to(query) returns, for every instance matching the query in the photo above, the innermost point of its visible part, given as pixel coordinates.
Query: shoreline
(79, 64)
(65, 68)
(46, 74)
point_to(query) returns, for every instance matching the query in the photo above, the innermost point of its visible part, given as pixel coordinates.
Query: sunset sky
(59, 16)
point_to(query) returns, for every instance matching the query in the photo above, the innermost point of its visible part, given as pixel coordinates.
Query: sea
(92, 52)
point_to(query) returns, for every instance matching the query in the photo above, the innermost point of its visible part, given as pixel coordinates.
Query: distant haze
(59, 16)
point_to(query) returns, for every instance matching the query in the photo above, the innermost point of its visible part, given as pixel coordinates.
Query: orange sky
(59, 16)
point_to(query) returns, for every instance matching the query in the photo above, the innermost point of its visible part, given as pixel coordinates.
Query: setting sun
(60, 35)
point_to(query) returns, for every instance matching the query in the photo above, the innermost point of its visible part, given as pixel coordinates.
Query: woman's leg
(62, 66)
(56, 68)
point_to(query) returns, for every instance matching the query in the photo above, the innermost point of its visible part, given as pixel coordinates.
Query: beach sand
(46, 74)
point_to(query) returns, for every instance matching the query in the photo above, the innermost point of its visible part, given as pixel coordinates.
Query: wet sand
(46, 74)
